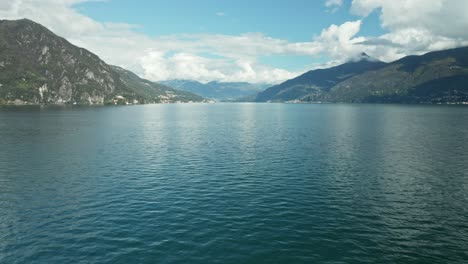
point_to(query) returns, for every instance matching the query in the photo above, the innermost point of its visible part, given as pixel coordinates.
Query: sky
(240, 40)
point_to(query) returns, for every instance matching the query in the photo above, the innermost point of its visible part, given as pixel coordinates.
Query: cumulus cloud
(416, 26)
(339, 42)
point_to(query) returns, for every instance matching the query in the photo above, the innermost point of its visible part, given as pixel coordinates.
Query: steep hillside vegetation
(436, 77)
(39, 67)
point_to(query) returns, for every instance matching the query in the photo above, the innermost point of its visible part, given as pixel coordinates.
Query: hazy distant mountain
(318, 81)
(218, 90)
(39, 67)
(436, 77)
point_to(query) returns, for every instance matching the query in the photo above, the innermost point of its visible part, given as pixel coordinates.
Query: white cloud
(158, 66)
(417, 26)
(220, 14)
(334, 5)
(331, 3)
(339, 41)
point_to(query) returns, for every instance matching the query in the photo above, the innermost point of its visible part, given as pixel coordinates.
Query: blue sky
(293, 20)
(239, 40)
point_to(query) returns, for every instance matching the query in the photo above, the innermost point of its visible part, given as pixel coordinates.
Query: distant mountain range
(39, 67)
(218, 90)
(436, 77)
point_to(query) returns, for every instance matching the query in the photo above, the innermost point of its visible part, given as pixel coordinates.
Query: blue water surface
(234, 183)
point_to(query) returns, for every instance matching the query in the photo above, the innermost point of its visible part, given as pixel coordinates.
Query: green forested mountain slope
(39, 67)
(317, 82)
(435, 77)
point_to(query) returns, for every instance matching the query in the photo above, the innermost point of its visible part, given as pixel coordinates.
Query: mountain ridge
(318, 80)
(434, 77)
(217, 90)
(39, 67)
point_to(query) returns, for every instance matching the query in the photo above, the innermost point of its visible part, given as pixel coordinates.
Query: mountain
(318, 81)
(39, 67)
(217, 90)
(435, 77)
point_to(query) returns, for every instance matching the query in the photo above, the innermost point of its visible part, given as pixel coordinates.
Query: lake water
(234, 183)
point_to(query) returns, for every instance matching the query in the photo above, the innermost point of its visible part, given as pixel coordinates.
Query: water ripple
(234, 183)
